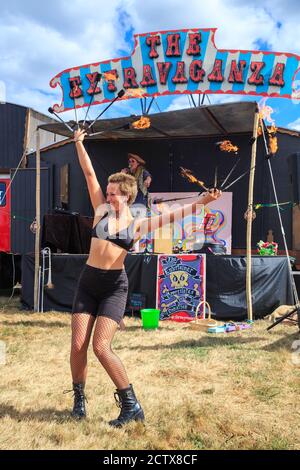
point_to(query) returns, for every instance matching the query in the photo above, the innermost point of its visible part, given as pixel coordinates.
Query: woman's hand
(79, 135)
(209, 196)
(147, 182)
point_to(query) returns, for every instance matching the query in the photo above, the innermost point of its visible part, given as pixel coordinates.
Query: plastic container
(150, 318)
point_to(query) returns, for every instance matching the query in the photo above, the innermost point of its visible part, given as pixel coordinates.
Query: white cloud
(285, 15)
(239, 26)
(36, 44)
(184, 101)
(39, 40)
(295, 125)
(221, 99)
(179, 103)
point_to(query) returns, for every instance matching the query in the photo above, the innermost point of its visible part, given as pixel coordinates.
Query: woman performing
(102, 288)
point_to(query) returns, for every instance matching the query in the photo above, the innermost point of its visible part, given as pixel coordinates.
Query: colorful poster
(210, 224)
(179, 62)
(180, 286)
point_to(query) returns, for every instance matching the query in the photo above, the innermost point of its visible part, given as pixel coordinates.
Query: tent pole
(38, 221)
(250, 217)
(26, 137)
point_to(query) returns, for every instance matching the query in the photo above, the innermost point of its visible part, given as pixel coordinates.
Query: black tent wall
(163, 159)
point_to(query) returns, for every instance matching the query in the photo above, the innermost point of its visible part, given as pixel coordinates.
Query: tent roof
(204, 121)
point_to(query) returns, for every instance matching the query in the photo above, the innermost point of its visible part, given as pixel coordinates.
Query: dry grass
(199, 391)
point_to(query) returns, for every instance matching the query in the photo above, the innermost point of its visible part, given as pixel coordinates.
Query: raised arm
(96, 195)
(150, 224)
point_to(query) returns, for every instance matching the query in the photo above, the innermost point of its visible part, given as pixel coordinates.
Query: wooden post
(249, 218)
(38, 220)
(26, 137)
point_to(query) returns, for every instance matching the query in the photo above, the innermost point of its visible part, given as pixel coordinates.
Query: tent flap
(203, 121)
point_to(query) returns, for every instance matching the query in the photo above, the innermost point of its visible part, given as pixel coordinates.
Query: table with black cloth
(66, 268)
(67, 233)
(225, 282)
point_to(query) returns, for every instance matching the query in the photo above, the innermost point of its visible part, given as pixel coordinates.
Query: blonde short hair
(127, 185)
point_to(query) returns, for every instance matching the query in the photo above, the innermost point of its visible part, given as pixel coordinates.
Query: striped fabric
(167, 68)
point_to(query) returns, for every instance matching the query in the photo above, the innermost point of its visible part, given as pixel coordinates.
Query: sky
(40, 39)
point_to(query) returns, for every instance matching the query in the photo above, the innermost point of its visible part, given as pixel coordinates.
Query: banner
(179, 62)
(180, 286)
(212, 225)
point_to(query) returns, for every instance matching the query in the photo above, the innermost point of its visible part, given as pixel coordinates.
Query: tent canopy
(204, 121)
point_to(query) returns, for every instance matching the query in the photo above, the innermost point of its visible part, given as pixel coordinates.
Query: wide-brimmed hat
(137, 158)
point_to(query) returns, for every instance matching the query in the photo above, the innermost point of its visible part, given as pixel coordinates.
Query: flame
(186, 173)
(273, 145)
(135, 92)
(226, 146)
(265, 111)
(273, 129)
(142, 123)
(110, 76)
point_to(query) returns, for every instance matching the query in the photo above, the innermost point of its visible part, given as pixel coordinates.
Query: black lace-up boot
(131, 410)
(79, 411)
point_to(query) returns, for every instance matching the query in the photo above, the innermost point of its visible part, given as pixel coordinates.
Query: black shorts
(101, 292)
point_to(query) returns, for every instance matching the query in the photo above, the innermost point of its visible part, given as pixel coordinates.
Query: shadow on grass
(285, 342)
(45, 414)
(34, 323)
(204, 342)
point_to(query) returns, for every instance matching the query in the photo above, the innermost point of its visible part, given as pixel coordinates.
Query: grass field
(199, 391)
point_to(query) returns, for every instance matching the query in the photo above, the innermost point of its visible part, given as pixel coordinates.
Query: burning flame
(135, 92)
(265, 111)
(142, 123)
(273, 145)
(226, 146)
(259, 131)
(272, 129)
(186, 173)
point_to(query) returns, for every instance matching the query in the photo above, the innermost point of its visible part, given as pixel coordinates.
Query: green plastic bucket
(150, 318)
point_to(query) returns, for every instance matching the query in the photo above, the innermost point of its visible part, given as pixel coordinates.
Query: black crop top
(124, 238)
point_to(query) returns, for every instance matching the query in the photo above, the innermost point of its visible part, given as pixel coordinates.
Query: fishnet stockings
(105, 328)
(82, 325)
